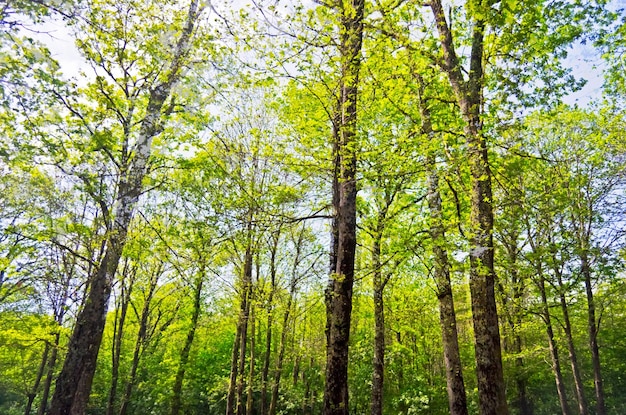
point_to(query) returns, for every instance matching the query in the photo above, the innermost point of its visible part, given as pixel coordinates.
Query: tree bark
(339, 293)
(118, 332)
(42, 368)
(242, 335)
(593, 335)
(270, 321)
(491, 386)
(457, 398)
(250, 391)
(184, 353)
(513, 315)
(567, 327)
(49, 376)
(554, 351)
(234, 369)
(293, 284)
(74, 382)
(140, 343)
(378, 376)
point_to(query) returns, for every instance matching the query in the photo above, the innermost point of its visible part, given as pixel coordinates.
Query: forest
(280, 207)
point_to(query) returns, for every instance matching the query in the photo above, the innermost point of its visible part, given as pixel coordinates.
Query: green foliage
(243, 160)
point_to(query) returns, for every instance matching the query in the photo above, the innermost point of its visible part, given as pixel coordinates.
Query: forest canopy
(323, 207)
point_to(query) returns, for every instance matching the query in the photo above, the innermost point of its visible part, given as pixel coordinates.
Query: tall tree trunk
(270, 321)
(457, 398)
(250, 391)
(379, 283)
(593, 334)
(378, 375)
(339, 293)
(244, 319)
(42, 368)
(567, 327)
(59, 315)
(554, 351)
(234, 370)
(184, 353)
(118, 333)
(283, 336)
(74, 382)
(513, 315)
(491, 386)
(140, 343)
(50, 375)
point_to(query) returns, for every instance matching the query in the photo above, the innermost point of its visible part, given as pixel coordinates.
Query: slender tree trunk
(307, 396)
(339, 294)
(250, 397)
(491, 386)
(184, 353)
(554, 351)
(567, 327)
(244, 319)
(42, 368)
(379, 330)
(50, 375)
(379, 283)
(593, 335)
(513, 316)
(74, 382)
(270, 321)
(266, 362)
(457, 398)
(234, 369)
(283, 338)
(118, 332)
(140, 343)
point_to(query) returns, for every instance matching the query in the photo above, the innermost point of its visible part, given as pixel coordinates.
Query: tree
(153, 84)
(339, 290)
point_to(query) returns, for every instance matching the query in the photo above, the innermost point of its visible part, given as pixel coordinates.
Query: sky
(584, 60)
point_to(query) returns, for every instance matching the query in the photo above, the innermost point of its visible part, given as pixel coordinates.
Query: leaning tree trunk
(234, 369)
(339, 292)
(74, 382)
(491, 386)
(244, 329)
(457, 399)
